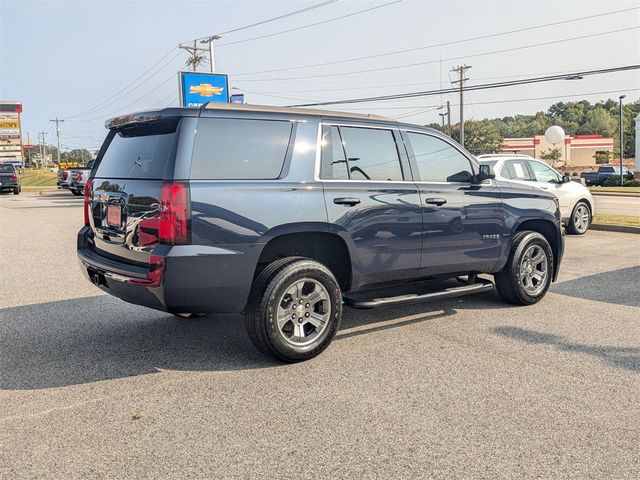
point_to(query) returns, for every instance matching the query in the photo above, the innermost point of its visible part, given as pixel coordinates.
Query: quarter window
(438, 161)
(544, 173)
(371, 154)
(229, 149)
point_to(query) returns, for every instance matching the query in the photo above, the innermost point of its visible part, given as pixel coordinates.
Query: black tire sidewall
(532, 238)
(269, 307)
(572, 226)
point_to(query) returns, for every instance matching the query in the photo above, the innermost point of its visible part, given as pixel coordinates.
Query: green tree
(480, 136)
(551, 156)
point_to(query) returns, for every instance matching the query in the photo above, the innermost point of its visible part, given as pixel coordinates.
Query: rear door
(132, 166)
(463, 221)
(548, 179)
(372, 201)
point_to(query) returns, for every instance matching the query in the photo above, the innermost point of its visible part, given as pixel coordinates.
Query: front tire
(526, 277)
(580, 220)
(294, 310)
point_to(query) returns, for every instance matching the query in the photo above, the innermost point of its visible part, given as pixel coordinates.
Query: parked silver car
(576, 202)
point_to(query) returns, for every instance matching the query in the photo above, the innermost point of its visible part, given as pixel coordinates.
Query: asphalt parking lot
(91, 387)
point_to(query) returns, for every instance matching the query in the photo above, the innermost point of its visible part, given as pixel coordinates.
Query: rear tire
(580, 220)
(526, 277)
(294, 310)
(16, 191)
(76, 192)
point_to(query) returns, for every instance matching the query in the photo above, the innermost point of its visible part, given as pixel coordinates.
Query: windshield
(139, 152)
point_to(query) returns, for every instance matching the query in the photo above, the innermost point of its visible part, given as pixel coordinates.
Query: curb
(614, 228)
(615, 194)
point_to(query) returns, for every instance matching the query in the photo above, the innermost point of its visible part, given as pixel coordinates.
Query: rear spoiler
(150, 116)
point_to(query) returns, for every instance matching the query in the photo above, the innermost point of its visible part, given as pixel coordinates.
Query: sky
(79, 60)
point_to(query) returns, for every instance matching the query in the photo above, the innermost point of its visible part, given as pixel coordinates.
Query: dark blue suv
(287, 214)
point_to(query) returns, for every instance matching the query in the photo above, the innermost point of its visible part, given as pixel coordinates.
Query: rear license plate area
(114, 215)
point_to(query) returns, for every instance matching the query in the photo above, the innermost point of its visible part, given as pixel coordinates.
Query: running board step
(469, 289)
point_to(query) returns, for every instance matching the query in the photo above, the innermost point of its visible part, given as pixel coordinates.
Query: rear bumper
(193, 279)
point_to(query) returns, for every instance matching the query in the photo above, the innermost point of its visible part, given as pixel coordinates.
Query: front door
(372, 202)
(463, 222)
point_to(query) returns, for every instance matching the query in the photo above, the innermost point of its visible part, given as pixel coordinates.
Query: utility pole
(621, 127)
(461, 70)
(448, 118)
(57, 121)
(43, 149)
(197, 58)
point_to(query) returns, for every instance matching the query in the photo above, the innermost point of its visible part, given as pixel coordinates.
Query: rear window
(139, 152)
(6, 169)
(236, 149)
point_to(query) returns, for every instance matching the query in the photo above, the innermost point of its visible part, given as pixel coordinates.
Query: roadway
(91, 387)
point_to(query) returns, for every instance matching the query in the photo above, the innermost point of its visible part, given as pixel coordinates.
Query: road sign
(198, 88)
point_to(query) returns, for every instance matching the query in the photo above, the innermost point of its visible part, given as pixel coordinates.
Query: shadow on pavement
(618, 286)
(90, 339)
(627, 358)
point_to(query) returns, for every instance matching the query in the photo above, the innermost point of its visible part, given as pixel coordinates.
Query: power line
(406, 65)
(461, 71)
(512, 100)
(129, 84)
(443, 44)
(273, 19)
(309, 25)
(486, 86)
(120, 109)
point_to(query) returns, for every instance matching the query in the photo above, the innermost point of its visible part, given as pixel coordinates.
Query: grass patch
(616, 189)
(607, 219)
(38, 178)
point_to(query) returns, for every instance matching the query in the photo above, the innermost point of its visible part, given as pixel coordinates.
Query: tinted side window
(232, 149)
(438, 161)
(371, 154)
(334, 163)
(517, 170)
(543, 173)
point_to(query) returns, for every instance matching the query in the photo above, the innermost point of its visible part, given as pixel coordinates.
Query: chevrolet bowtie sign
(198, 88)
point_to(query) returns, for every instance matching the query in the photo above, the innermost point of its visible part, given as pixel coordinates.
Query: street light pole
(621, 127)
(212, 56)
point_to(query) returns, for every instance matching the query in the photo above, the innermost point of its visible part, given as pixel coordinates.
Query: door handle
(350, 201)
(436, 201)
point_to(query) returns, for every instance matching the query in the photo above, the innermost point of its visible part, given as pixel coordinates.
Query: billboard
(198, 88)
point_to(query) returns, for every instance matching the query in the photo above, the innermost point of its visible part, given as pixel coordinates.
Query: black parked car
(9, 179)
(284, 214)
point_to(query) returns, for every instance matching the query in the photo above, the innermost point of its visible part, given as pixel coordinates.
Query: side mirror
(486, 173)
(566, 179)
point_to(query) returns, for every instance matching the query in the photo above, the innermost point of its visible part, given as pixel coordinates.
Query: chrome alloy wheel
(303, 312)
(581, 218)
(533, 270)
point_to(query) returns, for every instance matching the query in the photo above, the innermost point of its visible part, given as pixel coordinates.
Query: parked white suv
(576, 202)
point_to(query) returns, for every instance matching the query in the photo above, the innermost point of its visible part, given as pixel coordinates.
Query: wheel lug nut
(306, 314)
(307, 305)
(293, 316)
(300, 320)
(301, 301)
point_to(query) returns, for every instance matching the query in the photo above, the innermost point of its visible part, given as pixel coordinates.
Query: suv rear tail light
(79, 177)
(87, 201)
(65, 174)
(14, 177)
(173, 224)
